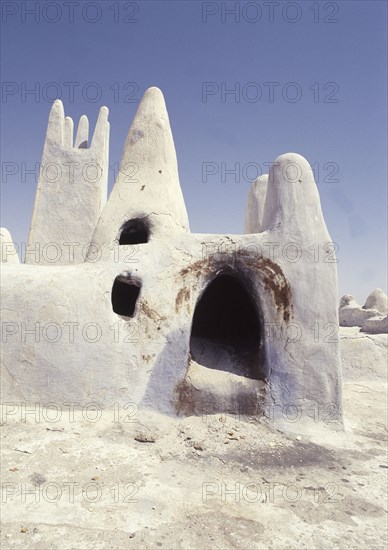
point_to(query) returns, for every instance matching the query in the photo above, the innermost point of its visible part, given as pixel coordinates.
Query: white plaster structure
(255, 206)
(371, 317)
(378, 300)
(180, 322)
(72, 189)
(8, 253)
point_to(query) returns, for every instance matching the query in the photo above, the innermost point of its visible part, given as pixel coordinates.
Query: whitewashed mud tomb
(116, 301)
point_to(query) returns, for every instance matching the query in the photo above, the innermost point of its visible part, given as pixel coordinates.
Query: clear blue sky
(180, 45)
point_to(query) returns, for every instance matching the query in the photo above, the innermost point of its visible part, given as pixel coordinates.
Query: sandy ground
(139, 480)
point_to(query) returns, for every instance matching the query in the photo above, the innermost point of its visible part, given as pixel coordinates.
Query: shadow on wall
(170, 369)
(223, 343)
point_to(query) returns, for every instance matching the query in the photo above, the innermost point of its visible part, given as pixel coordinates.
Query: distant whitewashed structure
(372, 317)
(119, 302)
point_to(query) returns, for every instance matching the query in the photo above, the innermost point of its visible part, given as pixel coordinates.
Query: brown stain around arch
(182, 296)
(273, 277)
(275, 281)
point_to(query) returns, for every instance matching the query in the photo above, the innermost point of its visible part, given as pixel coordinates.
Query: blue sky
(327, 61)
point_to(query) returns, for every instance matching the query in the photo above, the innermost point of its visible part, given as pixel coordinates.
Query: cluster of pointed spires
(74, 207)
(60, 129)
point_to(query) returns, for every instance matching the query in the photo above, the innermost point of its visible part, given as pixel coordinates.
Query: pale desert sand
(212, 482)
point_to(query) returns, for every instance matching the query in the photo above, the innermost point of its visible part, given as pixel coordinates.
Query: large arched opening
(226, 332)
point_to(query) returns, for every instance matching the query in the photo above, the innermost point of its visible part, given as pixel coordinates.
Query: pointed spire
(255, 206)
(81, 139)
(150, 134)
(56, 122)
(148, 174)
(68, 132)
(100, 144)
(147, 185)
(101, 131)
(292, 202)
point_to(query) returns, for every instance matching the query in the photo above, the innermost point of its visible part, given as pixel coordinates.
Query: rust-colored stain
(182, 296)
(188, 400)
(196, 268)
(151, 313)
(275, 281)
(272, 276)
(184, 400)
